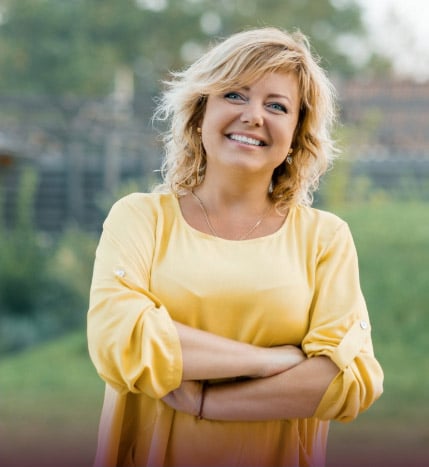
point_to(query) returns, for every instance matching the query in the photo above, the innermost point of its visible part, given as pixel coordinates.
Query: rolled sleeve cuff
(359, 382)
(351, 344)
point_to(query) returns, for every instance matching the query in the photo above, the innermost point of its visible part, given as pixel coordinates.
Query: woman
(226, 315)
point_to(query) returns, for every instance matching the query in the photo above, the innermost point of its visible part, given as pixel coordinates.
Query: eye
(234, 96)
(277, 107)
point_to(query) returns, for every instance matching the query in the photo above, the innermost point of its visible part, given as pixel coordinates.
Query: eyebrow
(275, 95)
(283, 96)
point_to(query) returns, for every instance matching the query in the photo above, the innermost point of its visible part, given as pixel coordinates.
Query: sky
(399, 29)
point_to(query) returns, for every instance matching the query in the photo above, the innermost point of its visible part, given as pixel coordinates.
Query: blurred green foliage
(65, 48)
(23, 260)
(44, 281)
(347, 183)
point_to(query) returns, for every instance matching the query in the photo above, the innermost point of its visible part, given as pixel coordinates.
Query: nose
(252, 115)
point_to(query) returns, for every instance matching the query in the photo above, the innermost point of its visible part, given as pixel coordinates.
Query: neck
(235, 193)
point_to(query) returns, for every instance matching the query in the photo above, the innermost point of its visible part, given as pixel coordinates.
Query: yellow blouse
(299, 285)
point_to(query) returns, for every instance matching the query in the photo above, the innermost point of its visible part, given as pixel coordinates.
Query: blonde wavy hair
(238, 61)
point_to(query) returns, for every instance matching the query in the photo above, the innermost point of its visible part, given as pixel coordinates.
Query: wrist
(259, 357)
(263, 362)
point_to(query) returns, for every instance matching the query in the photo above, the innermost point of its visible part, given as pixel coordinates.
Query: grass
(50, 404)
(393, 246)
(50, 396)
(392, 240)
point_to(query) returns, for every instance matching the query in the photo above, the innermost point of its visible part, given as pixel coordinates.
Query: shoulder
(309, 216)
(142, 206)
(317, 224)
(144, 201)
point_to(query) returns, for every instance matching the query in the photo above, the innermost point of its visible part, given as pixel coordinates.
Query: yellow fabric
(297, 286)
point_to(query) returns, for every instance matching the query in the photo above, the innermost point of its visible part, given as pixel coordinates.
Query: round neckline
(206, 235)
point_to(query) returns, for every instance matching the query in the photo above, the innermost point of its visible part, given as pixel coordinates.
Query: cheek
(213, 128)
(289, 134)
(208, 139)
(209, 125)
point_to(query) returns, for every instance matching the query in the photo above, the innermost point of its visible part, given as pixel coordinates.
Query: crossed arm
(281, 383)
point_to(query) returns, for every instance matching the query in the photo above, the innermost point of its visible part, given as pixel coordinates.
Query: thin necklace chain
(213, 230)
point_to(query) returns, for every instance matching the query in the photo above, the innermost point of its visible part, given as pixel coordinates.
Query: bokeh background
(78, 84)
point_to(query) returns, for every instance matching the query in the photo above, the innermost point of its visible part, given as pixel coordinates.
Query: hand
(279, 359)
(186, 398)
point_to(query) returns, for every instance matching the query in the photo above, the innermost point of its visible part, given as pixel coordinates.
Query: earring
(198, 130)
(289, 159)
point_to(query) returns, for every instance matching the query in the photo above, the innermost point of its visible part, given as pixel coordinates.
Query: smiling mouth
(246, 140)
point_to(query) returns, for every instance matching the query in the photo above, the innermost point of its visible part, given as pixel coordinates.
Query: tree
(74, 47)
(60, 58)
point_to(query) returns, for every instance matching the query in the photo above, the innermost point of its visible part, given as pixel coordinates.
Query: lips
(246, 140)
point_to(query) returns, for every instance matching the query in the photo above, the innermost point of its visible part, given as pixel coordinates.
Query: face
(251, 128)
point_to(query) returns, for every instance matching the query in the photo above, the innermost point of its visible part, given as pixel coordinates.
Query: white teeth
(246, 140)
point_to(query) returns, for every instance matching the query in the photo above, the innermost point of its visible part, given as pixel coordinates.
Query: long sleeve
(132, 339)
(297, 286)
(340, 329)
